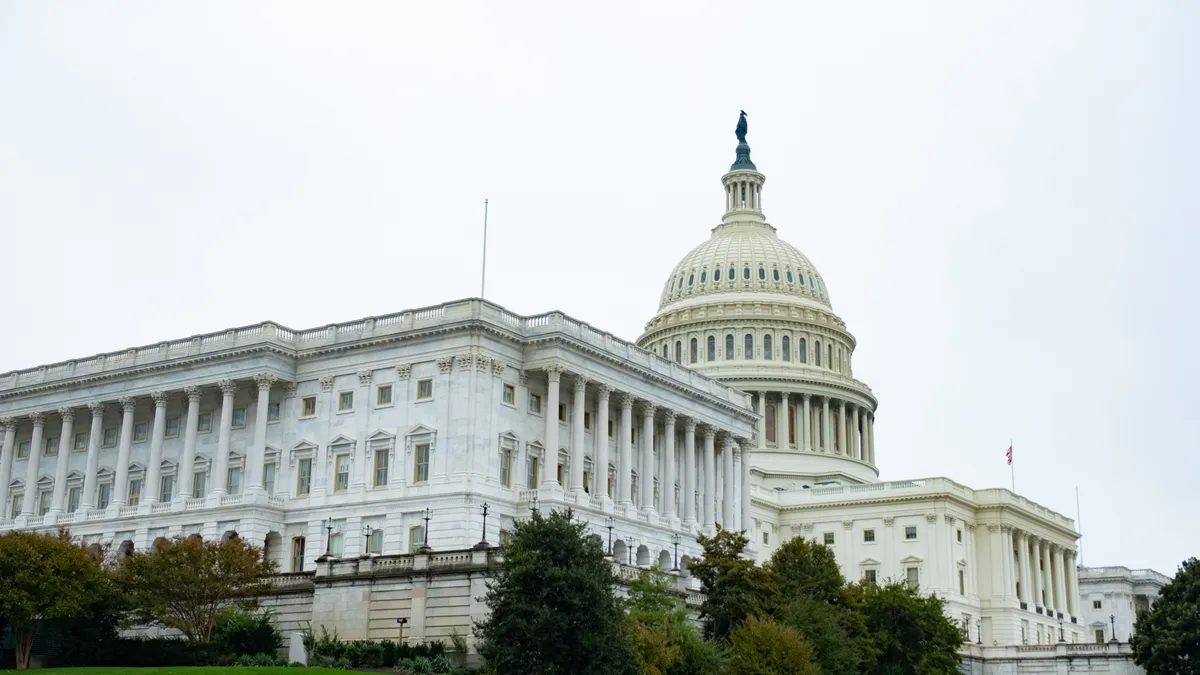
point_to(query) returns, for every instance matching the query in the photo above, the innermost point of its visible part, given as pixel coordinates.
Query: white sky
(1001, 196)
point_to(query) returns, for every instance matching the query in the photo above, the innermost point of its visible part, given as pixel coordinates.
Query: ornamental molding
(604, 391)
(669, 418)
(498, 367)
(192, 392)
(96, 408)
(483, 363)
(993, 528)
(931, 517)
(848, 524)
(402, 370)
(161, 398)
(796, 528)
(326, 383)
(888, 521)
(67, 414)
(523, 377)
(950, 520)
(627, 401)
(466, 361)
(553, 372)
(265, 380)
(127, 403)
(445, 363)
(808, 527)
(364, 378)
(291, 390)
(38, 419)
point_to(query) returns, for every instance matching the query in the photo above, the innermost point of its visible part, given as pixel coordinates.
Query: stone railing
(1063, 652)
(294, 581)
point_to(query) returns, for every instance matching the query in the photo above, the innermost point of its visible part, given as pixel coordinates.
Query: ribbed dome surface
(756, 257)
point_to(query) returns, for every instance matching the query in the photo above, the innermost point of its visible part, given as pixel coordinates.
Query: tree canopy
(46, 577)
(1166, 638)
(184, 582)
(907, 633)
(763, 647)
(734, 587)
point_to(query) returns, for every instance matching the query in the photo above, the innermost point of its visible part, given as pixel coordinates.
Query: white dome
(758, 259)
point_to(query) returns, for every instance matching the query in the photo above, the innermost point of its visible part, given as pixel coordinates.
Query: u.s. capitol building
(379, 441)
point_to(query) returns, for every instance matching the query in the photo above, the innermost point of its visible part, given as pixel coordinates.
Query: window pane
(166, 490)
(803, 348)
(712, 348)
(272, 412)
(308, 406)
(104, 496)
(298, 554)
(172, 426)
(140, 432)
(425, 389)
(239, 417)
(694, 351)
(199, 484)
(768, 348)
(785, 346)
(769, 422)
(381, 467)
(416, 538)
(235, 481)
(728, 347)
(269, 478)
(346, 400)
(342, 479)
(506, 468)
(421, 470)
(304, 478)
(384, 395)
(73, 499)
(135, 492)
(748, 347)
(510, 394)
(205, 424)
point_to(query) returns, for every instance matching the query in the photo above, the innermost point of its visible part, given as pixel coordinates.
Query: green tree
(763, 647)
(1166, 638)
(45, 577)
(734, 588)
(664, 639)
(803, 567)
(552, 607)
(906, 632)
(185, 582)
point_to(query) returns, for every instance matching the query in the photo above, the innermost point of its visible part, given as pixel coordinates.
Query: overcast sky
(1002, 197)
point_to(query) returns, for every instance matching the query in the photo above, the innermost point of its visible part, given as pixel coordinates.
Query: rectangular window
(959, 536)
(14, 509)
(44, 499)
(381, 467)
(166, 488)
(510, 395)
(910, 532)
(962, 582)
(828, 535)
(73, 497)
(766, 538)
(383, 394)
(337, 544)
(110, 437)
(424, 390)
(345, 401)
(172, 427)
(298, 554)
(141, 431)
(610, 428)
(23, 450)
(416, 538)
(531, 472)
(239, 417)
(135, 492)
(308, 406)
(505, 535)
(421, 463)
(868, 536)
(273, 411)
(269, 477)
(81, 441)
(535, 403)
(506, 468)
(51, 447)
(1099, 636)
(375, 541)
(104, 496)
(304, 477)
(912, 577)
(341, 473)
(199, 484)
(870, 576)
(234, 478)
(562, 412)
(204, 424)
(1096, 604)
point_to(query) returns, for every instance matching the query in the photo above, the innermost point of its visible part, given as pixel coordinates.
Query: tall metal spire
(743, 149)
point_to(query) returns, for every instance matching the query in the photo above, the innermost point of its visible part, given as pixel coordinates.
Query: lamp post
(426, 516)
(367, 544)
(533, 505)
(609, 522)
(328, 536)
(1112, 619)
(401, 620)
(632, 545)
(483, 543)
(1061, 638)
(675, 539)
(978, 632)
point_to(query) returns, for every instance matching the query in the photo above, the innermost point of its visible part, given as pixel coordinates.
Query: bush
(241, 632)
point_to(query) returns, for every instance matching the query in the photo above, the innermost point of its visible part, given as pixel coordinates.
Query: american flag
(1009, 455)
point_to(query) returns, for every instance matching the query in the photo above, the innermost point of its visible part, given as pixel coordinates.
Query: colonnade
(812, 423)
(1041, 574)
(666, 439)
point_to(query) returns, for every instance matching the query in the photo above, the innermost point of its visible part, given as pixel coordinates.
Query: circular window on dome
(775, 273)
(762, 274)
(789, 277)
(703, 276)
(717, 274)
(746, 273)
(691, 279)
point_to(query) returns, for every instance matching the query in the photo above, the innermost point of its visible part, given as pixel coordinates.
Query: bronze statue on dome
(741, 127)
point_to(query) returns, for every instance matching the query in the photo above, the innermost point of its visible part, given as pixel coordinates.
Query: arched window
(678, 351)
(729, 347)
(746, 273)
(748, 349)
(691, 279)
(762, 274)
(769, 422)
(775, 274)
(789, 277)
(829, 355)
(732, 275)
(817, 351)
(767, 348)
(717, 274)
(712, 348)
(801, 279)
(785, 346)
(703, 276)
(694, 351)
(681, 281)
(803, 350)
(666, 352)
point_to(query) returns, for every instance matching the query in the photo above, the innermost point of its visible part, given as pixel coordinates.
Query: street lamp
(483, 543)
(1060, 631)
(1112, 619)
(675, 539)
(367, 547)
(632, 545)
(328, 536)
(978, 632)
(609, 522)
(533, 504)
(426, 516)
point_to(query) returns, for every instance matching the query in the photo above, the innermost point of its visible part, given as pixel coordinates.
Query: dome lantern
(743, 184)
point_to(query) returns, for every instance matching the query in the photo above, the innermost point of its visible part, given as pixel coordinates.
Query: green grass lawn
(202, 670)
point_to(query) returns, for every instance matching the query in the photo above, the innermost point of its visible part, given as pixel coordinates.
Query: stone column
(29, 502)
(1056, 575)
(258, 452)
(95, 436)
(996, 563)
(600, 432)
(646, 475)
(710, 479)
(66, 444)
(1037, 573)
(579, 403)
(362, 472)
(1072, 584)
(761, 425)
(871, 436)
(1010, 569)
(842, 432)
(7, 451)
(727, 499)
(784, 417)
(550, 471)
(625, 444)
(285, 482)
(747, 520)
(827, 427)
(221, 463)
(121, 480)
(187, 459)
(806, 425)
(669, 473)
(1023, 565)
(688, 496)
(855, 443)
(154, 466)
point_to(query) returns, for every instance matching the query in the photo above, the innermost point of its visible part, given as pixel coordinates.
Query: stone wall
(1111, 658)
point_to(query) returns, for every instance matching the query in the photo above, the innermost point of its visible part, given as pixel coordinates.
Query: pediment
(17, 483)
(535, 445)
(421, 430)
(74, 475)
(304, 444)
(104, 472)
(381, 435)
(342, 439)
(166, 464)
(200, 462)
(46, 479)
(509, 435)
(912, 559)
(868, 562)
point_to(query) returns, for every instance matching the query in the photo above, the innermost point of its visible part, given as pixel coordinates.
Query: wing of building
(436, 428)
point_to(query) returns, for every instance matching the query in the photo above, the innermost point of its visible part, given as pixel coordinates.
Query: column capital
(710, 433)
(950, 520)
(403, 370)
(1007, 529)
(160, 398)
(38, 418)
(291, 390)
(127, 403)
(669, 417)
(604, 390)
(805, 397)
(9, 423)
(193, 393)
(229, 387)
(466, 360)
(265, 380)
(554, 372)
(689, 425)
(445, 363)
(96, 408)
(648, 409)
(627, 401)
(931, 517)
(580, 384)
(364, 379)
(993, 527)
(67, 414)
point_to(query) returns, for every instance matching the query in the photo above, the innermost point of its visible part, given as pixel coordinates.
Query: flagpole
(1012, 468)
(483, 273)
(1079, 526)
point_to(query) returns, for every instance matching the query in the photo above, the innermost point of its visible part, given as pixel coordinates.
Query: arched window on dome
(769, 422)
(801, 275)
(762, 274)
(817, 351)
(712, 348)
(748, 348)
(703, 276)
(767, 348)
(678, 351)
(789, 277)
(694, 351)
(811, 284)
(785, 346)
(691, 279)
(729, 347)
(717, 274)
(666, 351)
(802, 350)
(775, 274)
(746, 273)
(732, 273)
(680, 281)
(829, 356)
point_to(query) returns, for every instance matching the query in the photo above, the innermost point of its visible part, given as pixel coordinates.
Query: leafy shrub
(242, 632)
